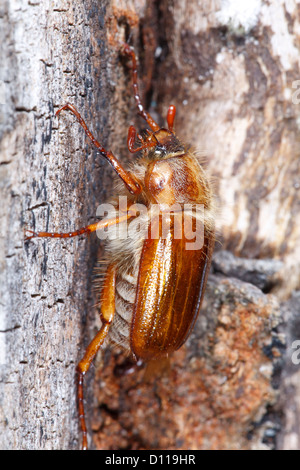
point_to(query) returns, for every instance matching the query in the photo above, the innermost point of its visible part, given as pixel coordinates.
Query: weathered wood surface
(230, 68)
(50, 178)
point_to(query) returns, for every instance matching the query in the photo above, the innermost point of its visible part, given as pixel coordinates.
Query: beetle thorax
(175, 179)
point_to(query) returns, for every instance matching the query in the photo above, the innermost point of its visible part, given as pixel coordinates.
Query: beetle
(155, 280)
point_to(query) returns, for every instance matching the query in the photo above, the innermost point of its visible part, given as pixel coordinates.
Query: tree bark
(231, 70)
(51, 179)
(234, 68)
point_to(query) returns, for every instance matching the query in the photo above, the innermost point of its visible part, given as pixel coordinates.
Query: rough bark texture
(230, 68)
(50, 178)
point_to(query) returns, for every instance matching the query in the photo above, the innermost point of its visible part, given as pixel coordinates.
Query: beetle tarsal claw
(29, 237)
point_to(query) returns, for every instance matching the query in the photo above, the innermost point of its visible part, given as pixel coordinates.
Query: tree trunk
(235, 70)
(231, 69)
(51, 179)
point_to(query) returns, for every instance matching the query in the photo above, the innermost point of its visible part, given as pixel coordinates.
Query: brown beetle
(155, 280)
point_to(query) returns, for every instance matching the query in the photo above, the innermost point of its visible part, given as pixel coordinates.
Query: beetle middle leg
(107, 314)
(88, 229)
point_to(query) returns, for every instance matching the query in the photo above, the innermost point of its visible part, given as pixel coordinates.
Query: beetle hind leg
(107, 314)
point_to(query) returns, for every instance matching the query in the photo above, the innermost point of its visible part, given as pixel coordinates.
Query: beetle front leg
(107, 314)
(129, 181)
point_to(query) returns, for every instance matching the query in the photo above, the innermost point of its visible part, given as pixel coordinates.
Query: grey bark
(231, 71)
(50, 179)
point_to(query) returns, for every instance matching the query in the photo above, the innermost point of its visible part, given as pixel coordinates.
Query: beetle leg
(88, 229)
(125, 176)
(107, 314)
(129, 52)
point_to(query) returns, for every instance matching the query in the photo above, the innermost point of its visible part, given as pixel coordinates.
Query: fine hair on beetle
(187, 220)
(159, 232)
